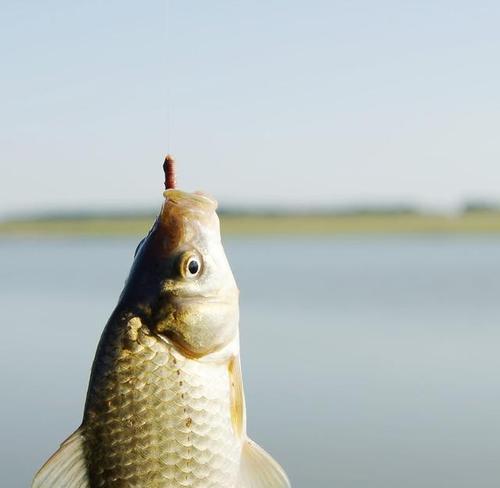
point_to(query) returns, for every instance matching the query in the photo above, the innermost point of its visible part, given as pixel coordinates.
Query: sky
(264, 103)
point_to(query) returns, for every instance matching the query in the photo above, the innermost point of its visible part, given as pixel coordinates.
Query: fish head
(181, 283)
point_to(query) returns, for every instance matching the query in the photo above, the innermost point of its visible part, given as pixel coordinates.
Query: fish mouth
(186, 218)
(196, 200)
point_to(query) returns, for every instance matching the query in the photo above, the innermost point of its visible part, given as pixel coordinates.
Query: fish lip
(192, 200)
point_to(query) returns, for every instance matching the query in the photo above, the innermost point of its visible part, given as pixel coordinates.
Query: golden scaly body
(156, 418)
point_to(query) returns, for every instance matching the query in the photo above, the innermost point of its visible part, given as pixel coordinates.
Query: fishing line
(168, 79)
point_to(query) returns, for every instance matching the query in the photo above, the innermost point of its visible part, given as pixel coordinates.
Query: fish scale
(153, 414)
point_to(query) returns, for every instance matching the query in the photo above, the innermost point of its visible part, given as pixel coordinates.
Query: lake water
(369, 362)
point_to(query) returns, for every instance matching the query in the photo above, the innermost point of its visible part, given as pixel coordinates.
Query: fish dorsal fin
(259, 470)
(66, 468)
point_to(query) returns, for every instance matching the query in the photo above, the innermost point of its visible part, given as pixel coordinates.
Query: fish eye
(193, 266)
(190, 265)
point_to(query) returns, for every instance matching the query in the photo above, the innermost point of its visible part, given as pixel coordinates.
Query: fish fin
(66, 468)
(238, 417)
(259, 470)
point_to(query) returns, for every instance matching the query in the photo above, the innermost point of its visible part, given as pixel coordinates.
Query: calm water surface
(368, 362)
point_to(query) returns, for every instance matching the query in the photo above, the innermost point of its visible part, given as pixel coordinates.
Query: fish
(165, 406)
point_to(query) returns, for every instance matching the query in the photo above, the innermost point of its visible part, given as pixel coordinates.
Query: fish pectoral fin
(259, 470)
(66, 468)
(238, 416)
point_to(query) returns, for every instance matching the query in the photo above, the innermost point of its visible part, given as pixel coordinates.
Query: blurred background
(353, 148)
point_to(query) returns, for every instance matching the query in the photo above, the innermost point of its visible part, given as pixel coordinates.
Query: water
(368, 362)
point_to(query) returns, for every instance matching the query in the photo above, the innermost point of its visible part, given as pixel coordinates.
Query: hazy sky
(287, 102)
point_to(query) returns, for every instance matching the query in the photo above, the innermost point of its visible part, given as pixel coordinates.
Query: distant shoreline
(268, 224)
